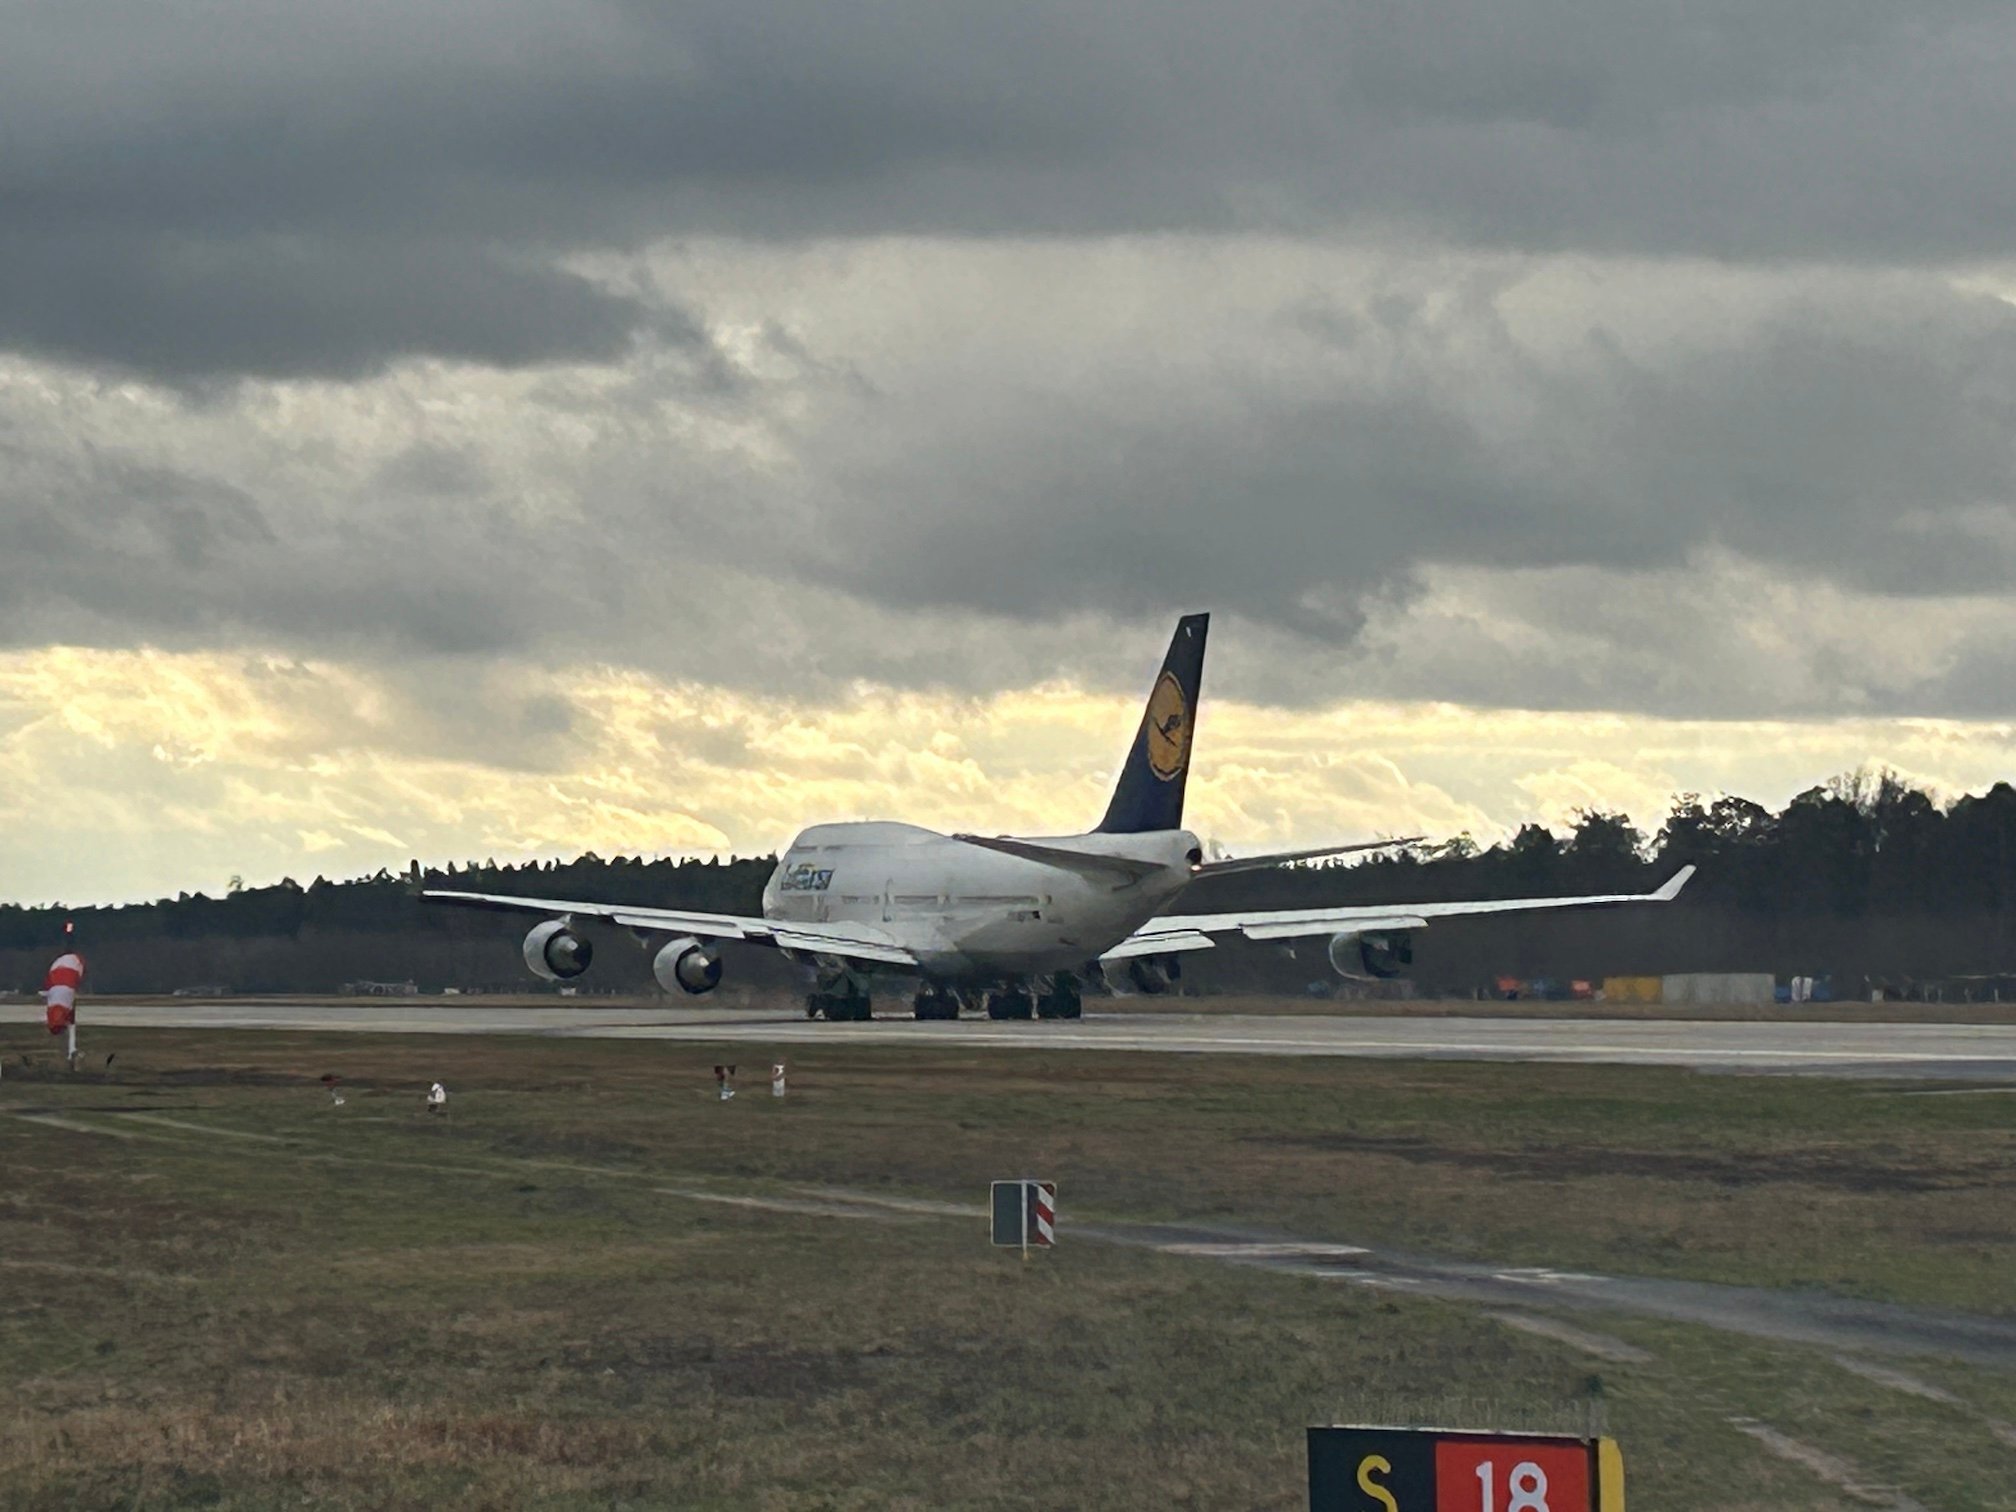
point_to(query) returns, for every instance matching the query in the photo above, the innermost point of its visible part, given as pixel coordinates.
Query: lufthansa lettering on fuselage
(805, 877)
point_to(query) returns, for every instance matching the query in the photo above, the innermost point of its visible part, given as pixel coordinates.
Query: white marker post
(777, 1079)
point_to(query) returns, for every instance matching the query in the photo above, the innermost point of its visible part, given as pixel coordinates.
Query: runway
(1930, 1051)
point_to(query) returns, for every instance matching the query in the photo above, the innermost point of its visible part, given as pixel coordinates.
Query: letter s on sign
(1366, 1468)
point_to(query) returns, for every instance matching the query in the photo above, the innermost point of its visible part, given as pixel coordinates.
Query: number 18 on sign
(1428, 1470)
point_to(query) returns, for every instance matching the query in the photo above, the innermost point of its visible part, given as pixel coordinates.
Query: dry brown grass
(504, 1310)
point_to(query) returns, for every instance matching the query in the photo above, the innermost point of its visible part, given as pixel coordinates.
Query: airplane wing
(850, 942)
(1171, 934)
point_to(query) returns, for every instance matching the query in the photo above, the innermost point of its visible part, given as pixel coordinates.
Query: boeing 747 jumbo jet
(1015, 924)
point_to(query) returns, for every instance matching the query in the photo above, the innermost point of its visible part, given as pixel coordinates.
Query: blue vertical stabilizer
(1149, 795)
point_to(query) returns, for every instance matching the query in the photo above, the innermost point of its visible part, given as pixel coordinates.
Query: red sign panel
(1371, 1469)
(1487, 1475)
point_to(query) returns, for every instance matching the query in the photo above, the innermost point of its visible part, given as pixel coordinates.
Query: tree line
(1865, 878)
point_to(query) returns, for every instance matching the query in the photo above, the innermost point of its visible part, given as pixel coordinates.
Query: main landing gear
(1008, 1005)
(1059, 1000)
(844, 1000)
(937, 1003)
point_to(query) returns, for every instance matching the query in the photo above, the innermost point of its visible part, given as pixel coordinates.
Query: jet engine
(687, 965)
(1379, 955)
(555, 952)
(1153, 974)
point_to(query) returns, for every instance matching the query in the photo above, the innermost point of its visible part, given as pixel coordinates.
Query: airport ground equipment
(1373, 1469)
(1025, 1214)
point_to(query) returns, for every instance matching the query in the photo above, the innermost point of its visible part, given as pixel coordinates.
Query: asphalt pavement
(1933, 1051)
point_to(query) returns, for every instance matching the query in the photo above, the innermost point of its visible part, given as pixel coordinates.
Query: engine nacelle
(555, 952)
(1153, 974)
(688, 966)
(1379, 955)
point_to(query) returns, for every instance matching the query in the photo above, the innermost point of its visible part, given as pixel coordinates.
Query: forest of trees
(1865, 879)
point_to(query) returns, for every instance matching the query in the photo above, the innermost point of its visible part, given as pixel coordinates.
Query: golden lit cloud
(138, 773)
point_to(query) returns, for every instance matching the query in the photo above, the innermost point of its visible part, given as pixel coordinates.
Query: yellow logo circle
(1168, 728)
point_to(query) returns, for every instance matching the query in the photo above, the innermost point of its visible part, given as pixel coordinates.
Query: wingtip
(1674, 883)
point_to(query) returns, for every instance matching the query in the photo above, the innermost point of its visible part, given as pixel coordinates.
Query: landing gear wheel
(1061, 1001)
(937, 1005)
(1008, 1005)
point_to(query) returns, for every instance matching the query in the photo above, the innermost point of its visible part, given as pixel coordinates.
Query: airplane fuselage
(973, 914)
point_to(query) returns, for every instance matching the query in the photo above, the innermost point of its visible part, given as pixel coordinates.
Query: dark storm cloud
(971, 521)
(1859, 434)
(271, 189)
(176, 307)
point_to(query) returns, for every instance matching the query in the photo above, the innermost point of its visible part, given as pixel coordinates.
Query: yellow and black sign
(1168, 728)
(1429, 1470)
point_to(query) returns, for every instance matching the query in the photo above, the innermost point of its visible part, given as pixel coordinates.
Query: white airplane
(1016, 924)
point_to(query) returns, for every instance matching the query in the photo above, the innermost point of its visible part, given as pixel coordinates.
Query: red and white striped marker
(1043, 1213)
(59, 993)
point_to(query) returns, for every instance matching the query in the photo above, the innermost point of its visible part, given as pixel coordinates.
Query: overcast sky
(441, 430)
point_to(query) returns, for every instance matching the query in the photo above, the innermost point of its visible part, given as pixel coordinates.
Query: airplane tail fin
(1149, 795)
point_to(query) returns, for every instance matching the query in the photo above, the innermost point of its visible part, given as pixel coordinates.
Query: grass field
(218, 1290)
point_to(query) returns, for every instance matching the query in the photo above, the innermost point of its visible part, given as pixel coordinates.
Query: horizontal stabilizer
(1287, 858)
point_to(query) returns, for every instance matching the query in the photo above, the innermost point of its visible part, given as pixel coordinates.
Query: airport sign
(1025, 1214)
(1371, 1469)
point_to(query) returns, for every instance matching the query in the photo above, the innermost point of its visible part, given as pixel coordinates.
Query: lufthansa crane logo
(1168, 729)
